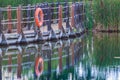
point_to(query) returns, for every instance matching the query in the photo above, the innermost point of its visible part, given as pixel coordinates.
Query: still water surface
(91, 57)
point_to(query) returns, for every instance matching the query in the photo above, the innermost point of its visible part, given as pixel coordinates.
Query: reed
(88, 15)
(107, 13)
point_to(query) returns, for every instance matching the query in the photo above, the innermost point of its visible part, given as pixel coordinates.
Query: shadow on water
(92, 57)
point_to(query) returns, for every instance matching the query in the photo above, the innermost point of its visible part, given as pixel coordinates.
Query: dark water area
(90, 57)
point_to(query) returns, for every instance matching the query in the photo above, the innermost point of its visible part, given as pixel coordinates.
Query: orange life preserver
(39, 66)
(39, 22)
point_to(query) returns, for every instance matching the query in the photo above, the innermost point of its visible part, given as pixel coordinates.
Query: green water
(90, 57)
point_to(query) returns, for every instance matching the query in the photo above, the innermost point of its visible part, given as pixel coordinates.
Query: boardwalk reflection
(91, 57)
(19, 62)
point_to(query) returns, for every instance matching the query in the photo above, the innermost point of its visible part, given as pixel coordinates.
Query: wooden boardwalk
(59, 22)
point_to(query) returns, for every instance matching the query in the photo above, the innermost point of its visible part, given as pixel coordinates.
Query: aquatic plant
(107, 13)
(88, 14)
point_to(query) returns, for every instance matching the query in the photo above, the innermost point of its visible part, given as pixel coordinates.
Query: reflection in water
(25, 62)
(19, 68)
(9, 63)
(0, 67)
(93, 57)
(38, 66)
(99, 61)
(60, 58)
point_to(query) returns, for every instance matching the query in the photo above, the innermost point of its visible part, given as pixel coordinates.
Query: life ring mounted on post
(39, 17)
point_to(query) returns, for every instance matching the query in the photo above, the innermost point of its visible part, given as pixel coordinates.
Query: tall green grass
(4, 3)
(107, 13)
(89, 16)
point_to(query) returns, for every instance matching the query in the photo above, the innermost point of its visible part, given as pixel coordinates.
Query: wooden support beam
(9, 15)
(72, 15)
(60, 17)
(19, 19)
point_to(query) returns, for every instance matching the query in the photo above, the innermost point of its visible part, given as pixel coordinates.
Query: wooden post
(9, 15)
(60, 17)
(19, 19)
(72, 15)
